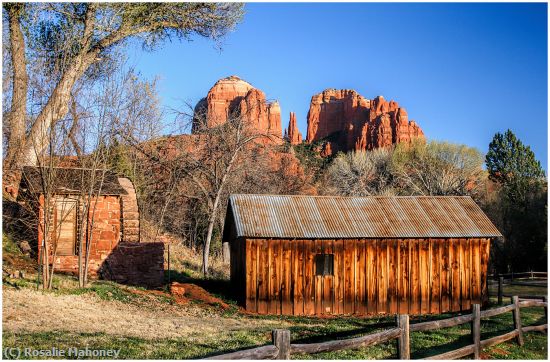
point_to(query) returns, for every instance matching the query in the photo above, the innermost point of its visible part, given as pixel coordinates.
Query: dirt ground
(35, 311)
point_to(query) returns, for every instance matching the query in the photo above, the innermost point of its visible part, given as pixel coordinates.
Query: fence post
(476, 329)
(544, 299)
(517, 319)
(281, 340)
(403, 342)
(500, 282)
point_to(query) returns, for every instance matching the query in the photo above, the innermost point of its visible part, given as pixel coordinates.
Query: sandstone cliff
(292, 134)
(233, 97)
(347, 121)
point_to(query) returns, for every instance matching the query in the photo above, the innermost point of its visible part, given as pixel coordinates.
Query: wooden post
(168, 264)
(517, 319)
(544, 299)
(403, 342)
(281, 340)
(532, 277)
(476, 329)
(500, 282)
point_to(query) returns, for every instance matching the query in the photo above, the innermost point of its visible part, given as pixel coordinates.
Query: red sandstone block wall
(104, 234)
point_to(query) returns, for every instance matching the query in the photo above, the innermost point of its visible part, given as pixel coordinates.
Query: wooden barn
(315, 255)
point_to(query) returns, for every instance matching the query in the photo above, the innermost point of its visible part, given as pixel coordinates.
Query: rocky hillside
(349, 121)
(233, 97)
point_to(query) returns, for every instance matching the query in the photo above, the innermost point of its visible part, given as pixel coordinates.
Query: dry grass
(28, 310)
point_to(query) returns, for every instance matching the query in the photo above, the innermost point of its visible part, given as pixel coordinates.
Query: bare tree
(437, 168)
(78, 37)
(363, 173)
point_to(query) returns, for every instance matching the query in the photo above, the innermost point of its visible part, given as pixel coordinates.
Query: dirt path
(34, 311)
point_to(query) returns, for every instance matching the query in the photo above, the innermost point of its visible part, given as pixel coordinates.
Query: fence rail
(282, 347)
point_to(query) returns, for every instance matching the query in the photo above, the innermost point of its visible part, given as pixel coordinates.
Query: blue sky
(462, 71)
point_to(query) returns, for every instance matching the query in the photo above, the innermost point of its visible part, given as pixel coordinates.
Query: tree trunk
(18, 111)
(55, 109)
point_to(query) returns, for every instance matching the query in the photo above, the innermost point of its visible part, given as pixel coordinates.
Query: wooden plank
(263, 276)
(328, 281)
(351, 343)
(318, 244)
(338, 276)
(251, 275)
(382, 279)
(403, 277)
(393, 264)
(360, 269)
(476, 271)
(264, 352)
(465, 278)
(414, 306)
(370, 275)
(349, 276)
(455, 282)
(298, 276)
(484, 251)
(435, 289)
(442, 323)
(286, 269)
(445, 276)
(309, 278)
(274, 276)
(424, 247)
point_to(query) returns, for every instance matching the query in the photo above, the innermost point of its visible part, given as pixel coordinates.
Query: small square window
(324, 264)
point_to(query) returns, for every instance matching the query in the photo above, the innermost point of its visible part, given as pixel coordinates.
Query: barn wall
(414, 276)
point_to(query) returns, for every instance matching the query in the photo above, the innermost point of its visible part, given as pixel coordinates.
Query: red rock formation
(351, 122)
(233, 96)
(292, 134)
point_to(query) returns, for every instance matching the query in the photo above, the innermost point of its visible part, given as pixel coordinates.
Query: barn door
(65, 226)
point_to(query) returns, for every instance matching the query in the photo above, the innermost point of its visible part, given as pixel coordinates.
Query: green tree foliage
(519, 206)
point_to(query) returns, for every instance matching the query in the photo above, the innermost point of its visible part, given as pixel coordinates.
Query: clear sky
(462, 71)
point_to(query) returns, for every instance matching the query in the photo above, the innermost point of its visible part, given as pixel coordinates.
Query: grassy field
(238, 330)
(154, 325)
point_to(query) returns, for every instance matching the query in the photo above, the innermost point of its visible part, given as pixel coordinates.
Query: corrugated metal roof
(309, 217)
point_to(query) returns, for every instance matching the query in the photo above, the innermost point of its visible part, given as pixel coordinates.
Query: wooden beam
(517, 319)
(496, 311)
(264, 352)
(351, 343)
(457, 353)
(539, 328)
(498, 339)
(281, 340)
(403, 341)
(476, 329)
(443, 323)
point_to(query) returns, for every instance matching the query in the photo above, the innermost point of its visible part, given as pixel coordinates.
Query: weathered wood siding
(371, 276)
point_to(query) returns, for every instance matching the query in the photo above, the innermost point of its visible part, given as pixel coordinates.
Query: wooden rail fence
(282, 348)
(520, 278)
